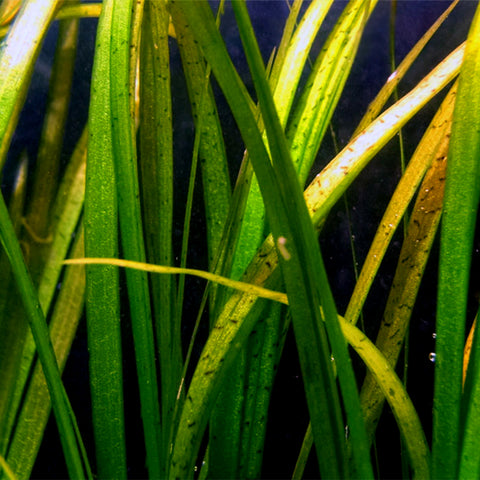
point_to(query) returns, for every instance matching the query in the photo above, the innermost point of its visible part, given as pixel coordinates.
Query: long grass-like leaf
(16, 65)
(102, 294)
(184, 450)
(33, 417)
(319, 98)
(334, 179)
(66, 212)
(413, 258)
(242, 400)
(13, 328)
(156, 171)
(40, 333)
(308, 267)
(179, 407)
(17, 56)
(469, 460)
(407, 186)
(397, 397)
(65, 216)
(124, 155)
(284, 85)
(47, 167)
(291, 66)
(213, 159)
(332, 182)
(306, 299)
(15, 208)
(462, 192)
(328, 187)
(286, 41)
(265, 263)
(394, 79)
(6, 469)
(8, 9)
(211, 277)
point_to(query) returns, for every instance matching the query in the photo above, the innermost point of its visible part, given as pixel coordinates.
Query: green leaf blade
(102, 287)
(399, 401)
(462, 193)
(63, 413)
(17, 56)
(131, 228)
(156, 164)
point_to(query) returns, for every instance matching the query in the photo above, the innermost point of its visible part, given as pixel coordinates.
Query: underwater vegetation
(247, 267)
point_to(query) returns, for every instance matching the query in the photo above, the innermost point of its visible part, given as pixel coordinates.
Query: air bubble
(434, 335)
(432, 356)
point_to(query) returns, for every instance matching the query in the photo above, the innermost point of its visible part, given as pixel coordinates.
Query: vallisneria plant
(100, 235)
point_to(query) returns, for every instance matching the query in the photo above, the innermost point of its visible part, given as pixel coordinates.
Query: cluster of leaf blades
(117, 195)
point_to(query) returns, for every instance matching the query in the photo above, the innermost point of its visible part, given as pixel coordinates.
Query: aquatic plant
(103, 231)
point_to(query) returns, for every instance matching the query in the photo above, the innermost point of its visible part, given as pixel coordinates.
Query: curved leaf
(394, 391)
